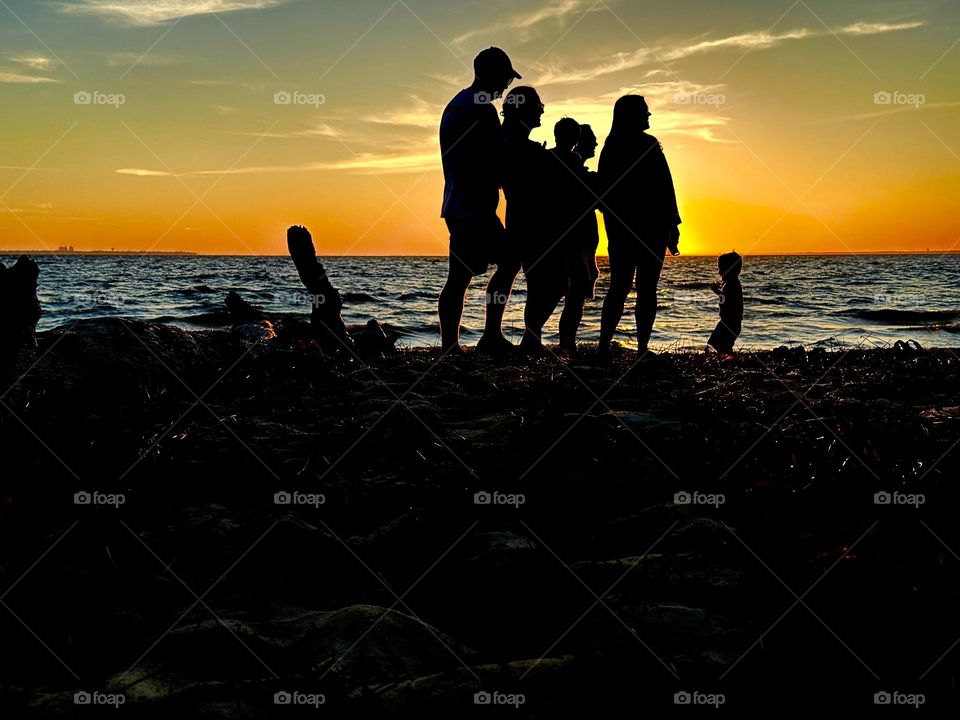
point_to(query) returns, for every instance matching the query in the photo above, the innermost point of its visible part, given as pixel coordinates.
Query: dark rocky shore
(581, 586)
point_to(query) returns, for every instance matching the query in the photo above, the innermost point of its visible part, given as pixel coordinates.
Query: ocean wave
(938, 327)
(194, 291)
(419, 295)
(417, 329)
(213, 319)
(902, 317)
(691, 285)
(754, 300)
(357, 297)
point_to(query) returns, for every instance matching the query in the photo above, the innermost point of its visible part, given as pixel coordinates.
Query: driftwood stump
(324, 299)
(19, 310)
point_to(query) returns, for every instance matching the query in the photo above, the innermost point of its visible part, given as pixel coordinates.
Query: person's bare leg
(648, 277)
(646, 315)
(450, 306)
(621, 280)
(570, 320)
(498, 295)
(541, 302)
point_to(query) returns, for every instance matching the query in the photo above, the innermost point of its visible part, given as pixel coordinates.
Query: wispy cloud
(673, 117)
(32, 62)
(451, 81)
(416, 113)
(142, 13)
(322, 130)
(670, 116)
(37, 209)
(899, 110)
(868, 28)
(27, 63)
(361, 163)
(387, 163)
(140, 172)
(760, 40)
(319, 129)
(15, 78)
(521, 25)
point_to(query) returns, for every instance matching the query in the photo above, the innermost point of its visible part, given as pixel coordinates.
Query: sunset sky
(816, 125)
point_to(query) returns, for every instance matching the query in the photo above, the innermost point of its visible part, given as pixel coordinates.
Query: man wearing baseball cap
(471, 146)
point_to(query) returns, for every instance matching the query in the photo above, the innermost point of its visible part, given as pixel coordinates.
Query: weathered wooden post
(324, 298)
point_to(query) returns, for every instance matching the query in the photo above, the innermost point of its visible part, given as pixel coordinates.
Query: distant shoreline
(142, 253)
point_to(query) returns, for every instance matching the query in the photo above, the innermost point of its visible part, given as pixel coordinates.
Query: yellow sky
(164, 125)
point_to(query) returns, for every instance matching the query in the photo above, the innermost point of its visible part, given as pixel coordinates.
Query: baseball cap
(494, 61)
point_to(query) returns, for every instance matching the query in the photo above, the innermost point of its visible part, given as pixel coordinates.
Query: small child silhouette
(730, 292)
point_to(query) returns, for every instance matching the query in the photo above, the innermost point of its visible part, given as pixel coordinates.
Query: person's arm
(670, 195)
(738, 299)
(669, 199)
(610, 179)
(451, 139)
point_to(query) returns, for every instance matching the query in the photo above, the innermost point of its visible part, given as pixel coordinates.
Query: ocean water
(868, 300)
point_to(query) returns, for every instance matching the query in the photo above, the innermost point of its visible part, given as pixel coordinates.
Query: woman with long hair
(641, 217)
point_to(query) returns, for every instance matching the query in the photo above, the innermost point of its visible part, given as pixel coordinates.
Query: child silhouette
(730, 292)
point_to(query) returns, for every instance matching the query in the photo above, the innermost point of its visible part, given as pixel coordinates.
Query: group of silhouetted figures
(551, 230)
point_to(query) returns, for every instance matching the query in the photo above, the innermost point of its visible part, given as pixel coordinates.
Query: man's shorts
(476, 243)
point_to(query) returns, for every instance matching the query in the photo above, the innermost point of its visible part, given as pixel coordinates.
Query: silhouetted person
(730, 292)
(471, 143)
(582, 271)
(20, 312)
(527, 185)
(641, 217)
(549, 242)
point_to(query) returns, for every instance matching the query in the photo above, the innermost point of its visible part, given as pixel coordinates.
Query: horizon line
(191, 253)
